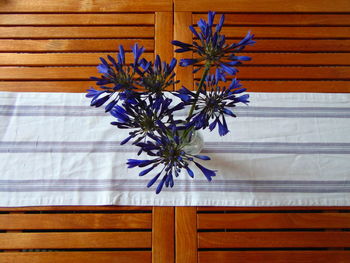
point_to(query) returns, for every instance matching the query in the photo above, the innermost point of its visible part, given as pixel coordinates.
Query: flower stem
(205, 73)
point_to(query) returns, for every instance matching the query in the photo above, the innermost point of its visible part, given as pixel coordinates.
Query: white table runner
(284, 149)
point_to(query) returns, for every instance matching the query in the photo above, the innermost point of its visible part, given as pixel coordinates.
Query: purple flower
(213, 104)
(143, 116)
(156, 77)
(211, 48)
(119, 76)
(169, 158)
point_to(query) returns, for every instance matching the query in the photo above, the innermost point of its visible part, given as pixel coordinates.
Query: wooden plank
(182, 33)
(297, 86)
(61, 59)
(281, 19)
(47, 86)
(269, 208)
(77, 32)
(263, 6)
(77, 257)
(274, 256)
(315, 45)
(71, 45)
(37, 6)
(286, 32)
(54, 73)
(89, 45)
(273, 220)
(164, 35)
(295, 73)
(75, 240)
(273, 239)
(75, 221)
(76, 19)
(295, 58)
(77, 208)
(186, 234)
(163, 242)
(253, 86)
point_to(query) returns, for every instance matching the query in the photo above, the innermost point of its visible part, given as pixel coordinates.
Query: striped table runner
(284, 149)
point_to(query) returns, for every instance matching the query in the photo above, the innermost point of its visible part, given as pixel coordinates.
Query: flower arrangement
(135, 94)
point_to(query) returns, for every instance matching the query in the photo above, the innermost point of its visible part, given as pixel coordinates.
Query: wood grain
(163, 227)
(75, 221)
(286, 59)
(287, 32)
(252, 86)
(271, 208)
(273, 220)
(48, 86)
(186, 234)
(76, 19)
(61, 59)
(77, 32)
(72, 45)
(75, 240)
(297, 86)
(84, 6)
(77, 257)
(77, 208)
(274, 256)
(273, 239)
(299, 45)
(41, 73)
(263, 6)
(293, 73)
(280, 19)
(164, 35)
(182, 33)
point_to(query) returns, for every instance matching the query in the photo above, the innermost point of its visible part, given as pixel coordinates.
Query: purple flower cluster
(212, 49)
(134, 93)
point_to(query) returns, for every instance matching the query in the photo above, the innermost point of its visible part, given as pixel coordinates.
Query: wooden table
(54, 46)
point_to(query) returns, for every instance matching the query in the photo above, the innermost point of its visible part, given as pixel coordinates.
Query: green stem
(205, 73)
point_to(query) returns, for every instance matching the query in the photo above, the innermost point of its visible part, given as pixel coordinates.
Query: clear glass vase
(194, 144)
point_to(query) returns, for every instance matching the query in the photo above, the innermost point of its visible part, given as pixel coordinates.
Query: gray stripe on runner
(250, 111)
(180, 186)
(210, 147)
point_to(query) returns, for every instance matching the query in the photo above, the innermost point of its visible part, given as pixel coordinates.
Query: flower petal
(207, 172)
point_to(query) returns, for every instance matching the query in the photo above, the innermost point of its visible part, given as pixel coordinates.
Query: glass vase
(194, 143)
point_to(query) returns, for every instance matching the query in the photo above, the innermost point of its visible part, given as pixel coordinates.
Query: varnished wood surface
(163, 235)
(302, 46)
(273, 220)
(276, 239)
(274, 256)
(59, 208)
(263, 6)
(75, 221)
(77, 257)
(72, 45)
(299, 19)
(75, 240)
(76, 19)
(182, 20)
(61, 59)
(287, 33)
(186, 234)
(84, 6)
(76, 32)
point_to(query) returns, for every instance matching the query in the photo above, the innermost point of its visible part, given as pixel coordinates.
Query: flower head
(156, 77)
(143, 116)
(212, 48)
(169, 157)
(118, 74)
(213, 104)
